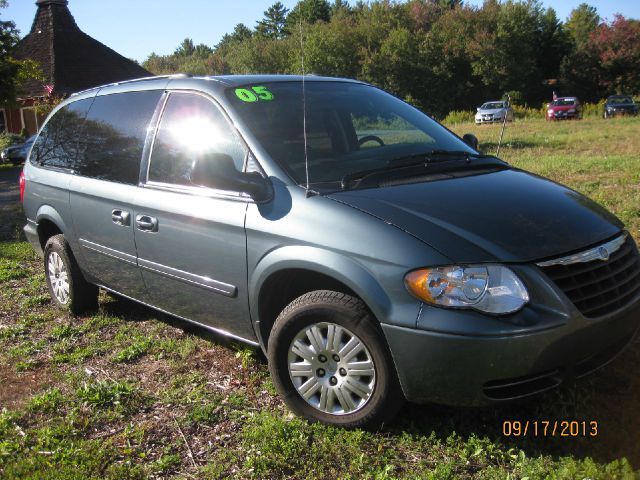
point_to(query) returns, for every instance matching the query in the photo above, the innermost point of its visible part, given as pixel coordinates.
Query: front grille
(599, 287)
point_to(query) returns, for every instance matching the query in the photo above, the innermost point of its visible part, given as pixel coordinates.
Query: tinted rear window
(114, 136)
(57, 144)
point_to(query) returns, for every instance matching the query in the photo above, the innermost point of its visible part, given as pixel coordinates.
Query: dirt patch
(17, 388)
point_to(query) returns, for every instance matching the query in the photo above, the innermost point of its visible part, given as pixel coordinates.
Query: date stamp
(550, 428)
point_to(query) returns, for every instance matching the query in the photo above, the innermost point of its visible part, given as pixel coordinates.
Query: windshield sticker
(253, 95)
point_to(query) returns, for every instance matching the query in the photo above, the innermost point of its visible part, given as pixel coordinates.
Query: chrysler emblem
(604, 254)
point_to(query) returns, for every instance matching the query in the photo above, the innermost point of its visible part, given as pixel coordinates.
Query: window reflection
(191, 128)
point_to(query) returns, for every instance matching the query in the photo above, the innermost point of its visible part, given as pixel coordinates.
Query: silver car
(494, 111)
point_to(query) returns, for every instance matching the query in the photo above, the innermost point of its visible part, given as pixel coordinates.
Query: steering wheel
(370, 138)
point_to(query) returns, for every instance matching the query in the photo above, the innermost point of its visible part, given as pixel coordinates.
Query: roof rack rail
(143, 79)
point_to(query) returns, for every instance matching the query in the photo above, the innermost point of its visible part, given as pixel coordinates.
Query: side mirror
(219, 171)
(471, 140)
(477, 109)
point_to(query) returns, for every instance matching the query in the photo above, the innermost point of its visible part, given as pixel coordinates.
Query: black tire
(82, 296)
(328, 307)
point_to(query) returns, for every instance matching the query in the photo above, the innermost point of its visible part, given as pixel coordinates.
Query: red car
(564, 108)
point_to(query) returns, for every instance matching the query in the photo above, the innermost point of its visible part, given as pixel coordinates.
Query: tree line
(439, 55)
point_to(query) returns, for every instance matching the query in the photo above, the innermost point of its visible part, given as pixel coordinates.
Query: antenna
(304, 111)
(504, 123)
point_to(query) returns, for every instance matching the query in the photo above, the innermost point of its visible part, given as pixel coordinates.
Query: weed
(246, 355)
(137, 349)
(47, 402)
(105, 395)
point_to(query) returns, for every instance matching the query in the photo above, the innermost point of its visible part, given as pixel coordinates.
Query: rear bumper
(31, 232)
(475, 370)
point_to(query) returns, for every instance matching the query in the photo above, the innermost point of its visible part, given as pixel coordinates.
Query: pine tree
(273, 23)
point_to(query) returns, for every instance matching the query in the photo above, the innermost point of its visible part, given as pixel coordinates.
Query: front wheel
(330, 363)
(68, 288)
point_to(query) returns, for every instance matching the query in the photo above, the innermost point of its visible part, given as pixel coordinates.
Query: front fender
(339, 267)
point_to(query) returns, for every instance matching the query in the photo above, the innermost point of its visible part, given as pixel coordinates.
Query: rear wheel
(67, 286)
(330, 363)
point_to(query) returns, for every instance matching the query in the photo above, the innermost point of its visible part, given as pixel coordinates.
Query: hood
(506, 216)
(621, 105)
(563, 107)
(492, 110)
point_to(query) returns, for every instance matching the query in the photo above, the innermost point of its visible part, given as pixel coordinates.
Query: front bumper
(488, 119)
(471, 370)
(562, 115)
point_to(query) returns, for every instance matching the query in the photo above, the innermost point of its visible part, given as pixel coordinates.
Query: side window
(114, 136)
(192, 127)
(57, 144)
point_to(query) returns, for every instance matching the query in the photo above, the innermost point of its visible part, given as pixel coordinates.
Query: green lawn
(128, 393)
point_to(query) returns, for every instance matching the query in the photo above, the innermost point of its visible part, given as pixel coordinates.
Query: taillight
(22, 182)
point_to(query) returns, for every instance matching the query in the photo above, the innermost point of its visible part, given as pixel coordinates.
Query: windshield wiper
(423, 159)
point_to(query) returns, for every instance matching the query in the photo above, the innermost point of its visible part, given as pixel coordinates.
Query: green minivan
(373, 255)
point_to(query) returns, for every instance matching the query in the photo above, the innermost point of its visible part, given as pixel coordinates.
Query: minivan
(373, 255)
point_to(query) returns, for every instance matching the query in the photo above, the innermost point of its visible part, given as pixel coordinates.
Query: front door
(191, 240)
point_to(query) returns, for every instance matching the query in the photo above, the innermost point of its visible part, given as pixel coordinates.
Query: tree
(8, 67)
(240, 33)
(340, 7)
(273, 23)
(186, 48)
(618, 48)
(308, 11)
(13, 72)
(582, 21)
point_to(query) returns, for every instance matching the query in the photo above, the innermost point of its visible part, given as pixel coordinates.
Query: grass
(127, 393)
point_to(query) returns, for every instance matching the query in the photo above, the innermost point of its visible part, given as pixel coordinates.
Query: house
(70, 60)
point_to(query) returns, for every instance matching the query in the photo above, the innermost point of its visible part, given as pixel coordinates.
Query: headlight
(490, 288)
(550, 112)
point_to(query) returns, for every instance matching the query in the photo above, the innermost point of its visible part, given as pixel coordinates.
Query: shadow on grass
(610, 397)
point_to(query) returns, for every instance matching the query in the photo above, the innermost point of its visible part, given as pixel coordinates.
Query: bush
(459, 116)
(526, 112)
(7, 139)
(593, 109)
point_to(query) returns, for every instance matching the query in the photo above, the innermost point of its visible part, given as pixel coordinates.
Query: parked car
(494, 111)
(371, 253)
(620, 105)
(564, 108)
(16, 154)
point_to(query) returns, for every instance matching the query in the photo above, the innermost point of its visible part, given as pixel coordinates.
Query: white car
(494, 111)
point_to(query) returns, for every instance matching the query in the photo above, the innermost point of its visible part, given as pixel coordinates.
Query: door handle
(147, 223)
(120, 217)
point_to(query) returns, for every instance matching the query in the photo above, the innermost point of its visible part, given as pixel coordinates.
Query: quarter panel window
(192, 127)
(57, 144)
(115, 132)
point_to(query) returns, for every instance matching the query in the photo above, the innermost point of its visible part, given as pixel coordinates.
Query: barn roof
(70, 59)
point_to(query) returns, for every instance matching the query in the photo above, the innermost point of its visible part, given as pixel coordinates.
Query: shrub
(593, 109)
(459, 116)
(7, 139)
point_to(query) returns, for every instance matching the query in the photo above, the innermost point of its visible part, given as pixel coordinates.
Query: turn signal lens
(490, 289)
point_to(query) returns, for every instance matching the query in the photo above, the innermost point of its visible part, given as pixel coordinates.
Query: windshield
(620, 100)
(492, 105)
(561, 102)
(350, 127)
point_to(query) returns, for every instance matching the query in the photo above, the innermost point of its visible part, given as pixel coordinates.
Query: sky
(136, 28)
